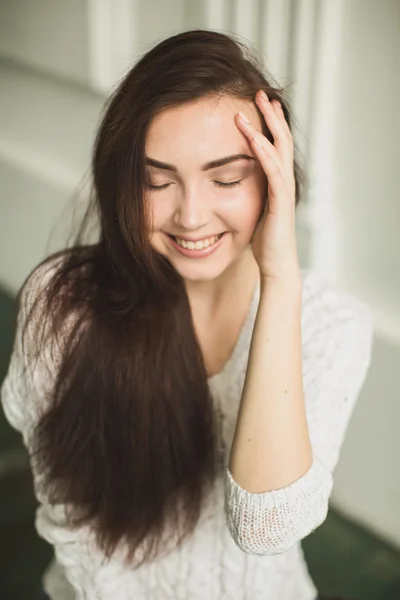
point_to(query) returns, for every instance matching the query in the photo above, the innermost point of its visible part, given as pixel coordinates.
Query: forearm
(271, 446)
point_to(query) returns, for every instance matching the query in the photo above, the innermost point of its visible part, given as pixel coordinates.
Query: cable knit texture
(246, 545)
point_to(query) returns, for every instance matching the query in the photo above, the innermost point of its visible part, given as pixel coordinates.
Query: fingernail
(243, 116)
(264, 95)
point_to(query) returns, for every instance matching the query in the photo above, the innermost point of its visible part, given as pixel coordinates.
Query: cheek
(244, 211)
(159, 211)
(157, 222)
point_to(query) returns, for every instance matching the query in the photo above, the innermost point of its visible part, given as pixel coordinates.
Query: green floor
(343, 559)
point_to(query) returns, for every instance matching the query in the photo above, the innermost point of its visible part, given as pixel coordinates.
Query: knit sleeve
(24, 395)
(337, 339)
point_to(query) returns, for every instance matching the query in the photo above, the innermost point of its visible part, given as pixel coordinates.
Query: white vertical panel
(323, 213)
(99, 43)
(301, 66)
(157, 19)
(110, 40)
(245, 18)
(124, 31)
(274, 37)
(216, 14)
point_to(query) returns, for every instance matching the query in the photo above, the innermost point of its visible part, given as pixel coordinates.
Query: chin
(200, 269)
(200, 272)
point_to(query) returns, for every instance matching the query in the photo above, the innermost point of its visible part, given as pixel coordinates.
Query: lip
(196, 253)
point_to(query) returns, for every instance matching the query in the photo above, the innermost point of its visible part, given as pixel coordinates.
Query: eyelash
(217, 183)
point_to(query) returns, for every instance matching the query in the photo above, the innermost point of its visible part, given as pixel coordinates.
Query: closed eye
(217, 183)
(229, 184)
(157, 187)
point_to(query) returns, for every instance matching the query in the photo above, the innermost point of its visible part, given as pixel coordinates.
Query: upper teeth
(198, 245)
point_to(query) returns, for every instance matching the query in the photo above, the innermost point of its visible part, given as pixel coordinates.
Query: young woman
(182, 386)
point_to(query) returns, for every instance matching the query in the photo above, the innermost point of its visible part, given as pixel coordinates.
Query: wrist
(285, 285)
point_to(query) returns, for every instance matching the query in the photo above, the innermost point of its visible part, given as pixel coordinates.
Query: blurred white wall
(366, 160)
(58, 62)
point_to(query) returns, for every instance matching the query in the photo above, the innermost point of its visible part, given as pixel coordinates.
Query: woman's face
(191, 204)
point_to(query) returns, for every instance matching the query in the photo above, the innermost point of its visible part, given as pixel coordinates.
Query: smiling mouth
(197, 245)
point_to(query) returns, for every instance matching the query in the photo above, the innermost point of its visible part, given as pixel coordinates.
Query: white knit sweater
(246, 545)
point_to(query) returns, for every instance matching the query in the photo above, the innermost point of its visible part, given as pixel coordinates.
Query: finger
(290, 177)
(279, 128)
(289, 166)
(275, 119)
(251, 132)
(269, 160)
(277, 185)
(281, 116)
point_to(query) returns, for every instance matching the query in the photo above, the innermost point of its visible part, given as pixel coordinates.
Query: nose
(191, 211)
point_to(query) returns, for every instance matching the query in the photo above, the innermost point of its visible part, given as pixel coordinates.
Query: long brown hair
(128, 438)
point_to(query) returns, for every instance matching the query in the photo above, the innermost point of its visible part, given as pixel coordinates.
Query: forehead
(202, 130)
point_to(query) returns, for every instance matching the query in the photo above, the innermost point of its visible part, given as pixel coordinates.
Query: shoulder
(327, 305)
(337, 341)
(32, 366)
(38, 280)
(17, 392)
(337, 326)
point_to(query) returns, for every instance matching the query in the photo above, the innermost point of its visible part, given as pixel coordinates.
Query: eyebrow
(219, 162)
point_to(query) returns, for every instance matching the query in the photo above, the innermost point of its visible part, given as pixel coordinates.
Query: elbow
(278, 531)
(274, 521)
